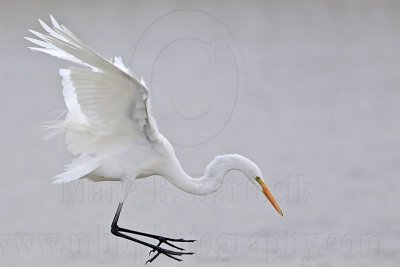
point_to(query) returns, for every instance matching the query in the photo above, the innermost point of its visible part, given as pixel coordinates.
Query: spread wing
(102, 95)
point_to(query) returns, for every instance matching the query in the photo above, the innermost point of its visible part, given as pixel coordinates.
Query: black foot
(167, 240)
(167, 253)
(117, 231)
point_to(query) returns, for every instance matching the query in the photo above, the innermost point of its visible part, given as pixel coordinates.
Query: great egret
(110, 130)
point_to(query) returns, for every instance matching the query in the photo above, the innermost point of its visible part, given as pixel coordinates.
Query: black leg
(118, 231)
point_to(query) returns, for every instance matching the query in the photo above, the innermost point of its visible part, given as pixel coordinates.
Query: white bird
(110, 130)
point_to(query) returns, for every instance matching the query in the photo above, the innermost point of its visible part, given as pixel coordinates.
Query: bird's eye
(257, 178)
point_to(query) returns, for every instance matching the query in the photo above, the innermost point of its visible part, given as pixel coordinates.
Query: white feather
(79, 167)
(103, 101)
(109, 126)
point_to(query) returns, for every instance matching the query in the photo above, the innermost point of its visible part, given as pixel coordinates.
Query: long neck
(212, 178)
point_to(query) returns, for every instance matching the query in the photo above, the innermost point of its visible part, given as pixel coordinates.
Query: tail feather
(77, 169)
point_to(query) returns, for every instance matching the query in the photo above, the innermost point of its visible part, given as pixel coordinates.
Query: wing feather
(102, 96)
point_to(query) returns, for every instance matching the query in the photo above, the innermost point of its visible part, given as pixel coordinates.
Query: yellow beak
(268, 194)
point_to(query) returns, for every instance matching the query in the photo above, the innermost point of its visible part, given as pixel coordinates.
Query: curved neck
(213, 176)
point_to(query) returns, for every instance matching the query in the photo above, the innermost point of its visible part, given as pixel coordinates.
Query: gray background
(307, 89)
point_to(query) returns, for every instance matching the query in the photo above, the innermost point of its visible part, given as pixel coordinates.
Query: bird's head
(253, 173)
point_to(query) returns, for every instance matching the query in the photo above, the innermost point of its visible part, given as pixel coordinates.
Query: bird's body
(110, 130)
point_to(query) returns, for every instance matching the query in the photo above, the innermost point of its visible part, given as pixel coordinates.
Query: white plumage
(110, 130)
(107, 106)
(109, 126)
